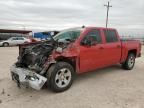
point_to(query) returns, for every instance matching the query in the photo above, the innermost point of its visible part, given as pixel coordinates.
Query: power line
(107, 6)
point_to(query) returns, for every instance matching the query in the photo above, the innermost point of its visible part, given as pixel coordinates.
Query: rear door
(112, 47)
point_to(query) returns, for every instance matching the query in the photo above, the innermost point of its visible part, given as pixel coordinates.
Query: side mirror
(93, 43)
(88, 42)
(84, 43)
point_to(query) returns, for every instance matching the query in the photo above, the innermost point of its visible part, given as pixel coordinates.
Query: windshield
(68, 34)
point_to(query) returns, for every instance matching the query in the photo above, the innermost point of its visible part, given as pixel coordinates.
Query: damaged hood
(34, 56)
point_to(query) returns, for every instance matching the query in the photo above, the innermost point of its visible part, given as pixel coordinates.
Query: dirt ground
(111, 87)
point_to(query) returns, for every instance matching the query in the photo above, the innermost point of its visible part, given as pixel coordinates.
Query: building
(6, 33)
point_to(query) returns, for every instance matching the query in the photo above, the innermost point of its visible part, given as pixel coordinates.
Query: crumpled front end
(34, 61)
(27, 78)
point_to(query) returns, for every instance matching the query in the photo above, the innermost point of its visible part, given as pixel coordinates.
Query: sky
(41, 15)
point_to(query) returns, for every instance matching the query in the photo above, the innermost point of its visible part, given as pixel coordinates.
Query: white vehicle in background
(14, 41)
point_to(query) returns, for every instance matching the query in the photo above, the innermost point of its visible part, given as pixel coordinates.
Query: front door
(91, 56)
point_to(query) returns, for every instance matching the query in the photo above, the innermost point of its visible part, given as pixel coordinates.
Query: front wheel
(60, 76)
(130, 62)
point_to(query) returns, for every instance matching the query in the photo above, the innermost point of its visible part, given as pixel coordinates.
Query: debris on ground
(0, 101)
(3, 91)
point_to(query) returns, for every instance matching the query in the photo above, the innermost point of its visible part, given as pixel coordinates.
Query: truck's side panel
(105, 54)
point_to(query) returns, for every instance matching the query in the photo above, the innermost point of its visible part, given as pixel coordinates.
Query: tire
(130, 62)
(5, 44)
(60, 76)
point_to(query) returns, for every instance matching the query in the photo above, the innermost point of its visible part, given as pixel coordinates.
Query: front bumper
(27, 77)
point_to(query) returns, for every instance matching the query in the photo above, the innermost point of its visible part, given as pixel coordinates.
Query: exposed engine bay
(35, 56)
(36, 59)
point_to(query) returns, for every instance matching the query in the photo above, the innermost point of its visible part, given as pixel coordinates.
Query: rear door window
(110, 36)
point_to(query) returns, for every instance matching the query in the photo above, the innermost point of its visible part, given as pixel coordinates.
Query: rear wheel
(130, 62)
(60, 76)
(5, 44)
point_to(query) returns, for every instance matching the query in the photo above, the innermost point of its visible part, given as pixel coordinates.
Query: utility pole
(107, 6)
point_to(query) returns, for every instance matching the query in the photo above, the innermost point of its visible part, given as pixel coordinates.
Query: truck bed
(128, 45)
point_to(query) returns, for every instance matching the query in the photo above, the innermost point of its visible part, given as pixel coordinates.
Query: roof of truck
(90, 27)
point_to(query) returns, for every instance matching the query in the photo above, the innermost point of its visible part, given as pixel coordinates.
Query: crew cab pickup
(72, 51)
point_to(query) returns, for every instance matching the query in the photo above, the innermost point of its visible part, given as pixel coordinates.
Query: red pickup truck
(72, 51)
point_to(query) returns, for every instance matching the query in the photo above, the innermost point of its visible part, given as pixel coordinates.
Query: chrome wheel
(63, 77)
(131, 61)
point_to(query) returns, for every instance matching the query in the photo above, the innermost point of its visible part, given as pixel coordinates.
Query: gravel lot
(111, 87)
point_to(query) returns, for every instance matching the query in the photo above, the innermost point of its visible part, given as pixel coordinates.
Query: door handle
(101, 48)
(118, 46)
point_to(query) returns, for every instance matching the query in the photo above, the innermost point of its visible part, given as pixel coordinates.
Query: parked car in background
(13, 41)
